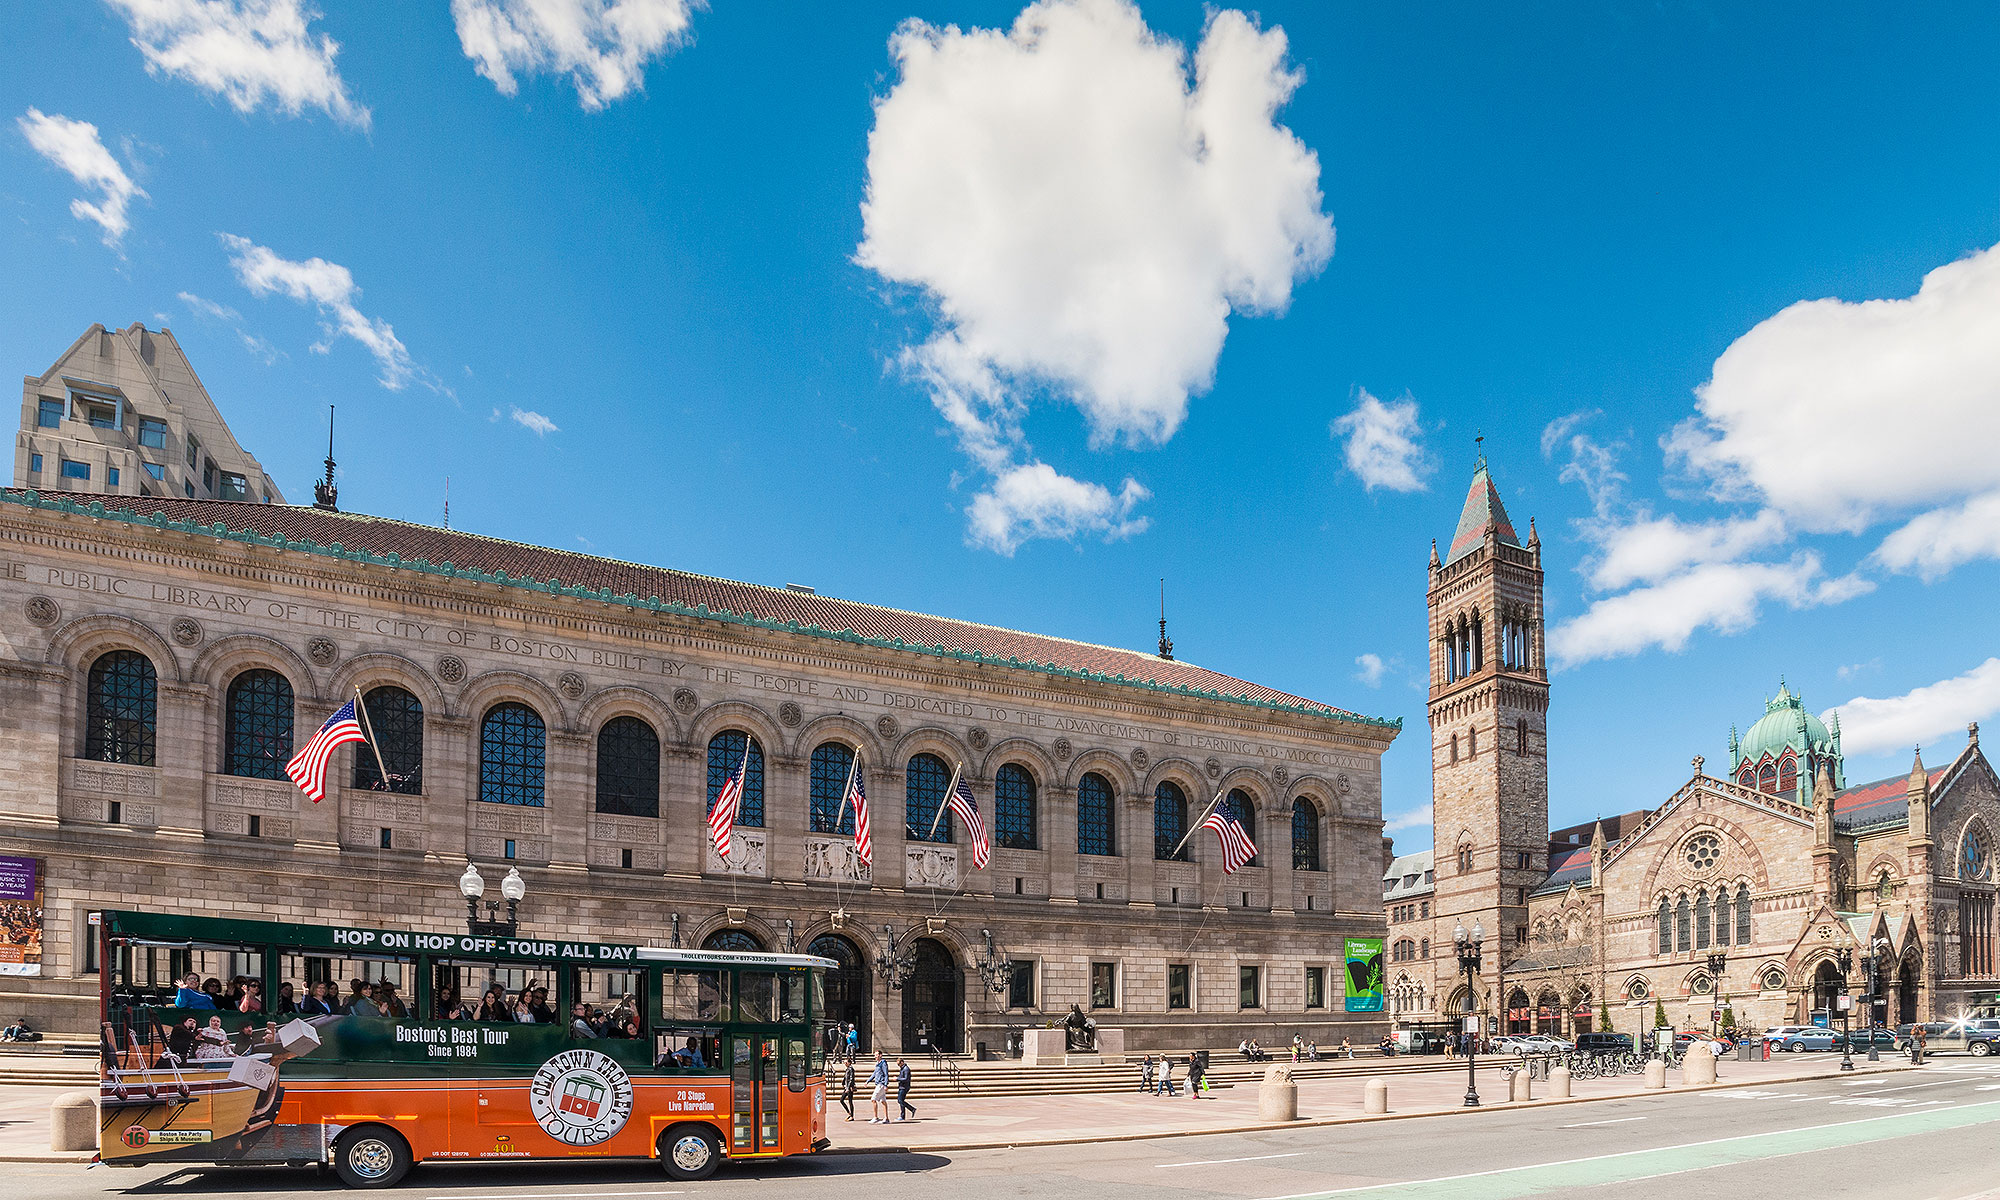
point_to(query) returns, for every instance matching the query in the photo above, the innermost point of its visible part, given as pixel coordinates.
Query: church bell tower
(1489, 700)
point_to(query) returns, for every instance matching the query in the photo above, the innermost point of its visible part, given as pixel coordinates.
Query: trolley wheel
(371, 1156)
(690, 1152)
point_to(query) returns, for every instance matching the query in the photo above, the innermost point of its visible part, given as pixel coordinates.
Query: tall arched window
(398, 720)
(1093, 816)
(512, 746)
(1465, 859)
(1666, 917)
(1788, 775)
(1767, 777)
(733, 941)
(831, 762)
(121, 706)
(1170, 818)
(1743, 914)
(1681, 925)
(257, 734)
(1722, 917)
(1746, 776)
(1305, 835)
(628, 768)
(1014, 808)
(925, 778)
(725, 757)
(1701, 920)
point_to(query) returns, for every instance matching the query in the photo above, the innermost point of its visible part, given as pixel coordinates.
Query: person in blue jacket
(190, 994)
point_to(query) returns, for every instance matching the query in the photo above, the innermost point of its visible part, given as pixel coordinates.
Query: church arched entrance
(1828, 983)
(846, 987)
(933, 1016)
(1518, 1012)
(1906, 993)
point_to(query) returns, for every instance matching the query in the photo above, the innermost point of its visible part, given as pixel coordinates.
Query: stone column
(1277, 855)
(32, 732)
(1058, 836)
(187, 738)
(684, 809)
(787, 814)
(569, 796)
(886, 829)
(451, 784)
(1135, 839)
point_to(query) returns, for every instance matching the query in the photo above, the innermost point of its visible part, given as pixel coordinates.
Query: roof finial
(325, 495)
(1166, 643)
(1479, 448)
(447, 502)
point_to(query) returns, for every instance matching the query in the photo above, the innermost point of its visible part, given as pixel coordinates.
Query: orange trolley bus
(363, 1049)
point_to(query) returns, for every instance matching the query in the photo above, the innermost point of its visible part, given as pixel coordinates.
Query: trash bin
(1749, 1052)
(979, 1053)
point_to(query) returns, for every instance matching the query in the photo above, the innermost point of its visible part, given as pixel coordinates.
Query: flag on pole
(308, 766)
(728, 799)
(857, 795)
(960, 801)
(1237, 848)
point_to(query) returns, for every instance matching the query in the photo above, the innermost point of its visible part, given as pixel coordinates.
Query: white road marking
(551, 1195)
(1613, 1121)
(1212, 1162)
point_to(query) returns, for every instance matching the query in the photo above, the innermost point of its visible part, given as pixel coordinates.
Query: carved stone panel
(749, 854)
(631, 830)
(111, 779)
(525, 849)
(43, 611)
(253, 795)
(834, 858)
(377, 810)
(505, 818)
(1098, 866)
(644, 858)
(451, 669)
(931, 866)
(1178, 874)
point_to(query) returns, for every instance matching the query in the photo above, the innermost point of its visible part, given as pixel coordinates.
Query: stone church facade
(573, 717)
(1743, 893)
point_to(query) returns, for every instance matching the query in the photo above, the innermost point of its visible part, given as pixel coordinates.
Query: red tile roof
(1882, 800)
(469, 551)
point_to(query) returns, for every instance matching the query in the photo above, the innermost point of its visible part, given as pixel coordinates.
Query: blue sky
(1137, 293)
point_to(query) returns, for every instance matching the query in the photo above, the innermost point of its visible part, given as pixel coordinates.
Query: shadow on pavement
(487, 1178)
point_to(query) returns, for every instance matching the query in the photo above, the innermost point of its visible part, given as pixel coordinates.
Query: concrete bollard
(1375, 1096)
(1278, 1096)
(1656, 1074)
(1699, 1065)
(1559, 1083)
(73, 1121)
(1520, 1087)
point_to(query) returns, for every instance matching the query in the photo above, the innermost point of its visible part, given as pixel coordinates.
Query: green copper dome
(1787, 725)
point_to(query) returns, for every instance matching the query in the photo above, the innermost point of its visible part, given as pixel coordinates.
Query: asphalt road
(1930, 1133)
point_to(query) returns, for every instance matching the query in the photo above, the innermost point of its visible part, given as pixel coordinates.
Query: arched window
(1723, 923)
(1767, 777)
(257, 737)
(925, 778)
(1244, 809)
(725, 758)
(1170, 817)
(1424, 948)
(733, 941)
(1788, 774)
(398, 720)
(1014, 808)
(1681, 925)
(1742, 914)
(1472, 743)
(1701, 926)
(1747, 775)
(831, 763)
(1454, 747)
(512, 744)
(628, 768)
(1305, 835)
(121, 707)
(1094, 834)
(1465, 858)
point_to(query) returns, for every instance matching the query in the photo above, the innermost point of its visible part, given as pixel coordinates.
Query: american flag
(1237, 848)
(961, 802)
(857, 795)
(727, 800)
(308, 766)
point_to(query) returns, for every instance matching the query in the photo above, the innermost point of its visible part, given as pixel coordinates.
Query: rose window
(1973, 860)
(1703, 851)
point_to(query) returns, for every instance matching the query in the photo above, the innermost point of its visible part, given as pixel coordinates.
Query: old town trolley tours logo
(580, 1097)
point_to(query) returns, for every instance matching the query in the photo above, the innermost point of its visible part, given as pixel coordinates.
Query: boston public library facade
(573, 717)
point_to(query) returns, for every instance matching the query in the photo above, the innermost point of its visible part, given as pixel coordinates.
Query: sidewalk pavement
(943, 1123)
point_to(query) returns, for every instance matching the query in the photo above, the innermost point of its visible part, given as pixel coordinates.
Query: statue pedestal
(1043, 1047)
(1111, 1044)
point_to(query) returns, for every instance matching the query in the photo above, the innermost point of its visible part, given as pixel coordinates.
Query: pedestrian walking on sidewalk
(878, 1090)
(1196, 1073)
(1146, 1074)
(1166, 1076)
(847, 1089)
(903, 1104)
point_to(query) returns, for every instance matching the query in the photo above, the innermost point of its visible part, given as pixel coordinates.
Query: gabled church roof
(1570, 866)
(1883, 802)
(1483, 511)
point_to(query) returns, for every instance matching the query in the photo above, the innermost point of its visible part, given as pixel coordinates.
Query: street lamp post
(1716, 961)
(1468, 962)
(1875, 949)
(472, 886)
(1844, 959)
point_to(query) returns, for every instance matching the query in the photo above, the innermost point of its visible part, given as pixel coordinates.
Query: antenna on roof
(447, 502)
(1479, 448)
(1166, 643)
(325, 495)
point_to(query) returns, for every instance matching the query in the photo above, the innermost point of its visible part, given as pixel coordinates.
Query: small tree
(1659, 1014)
(1604, 1017)
(1729, 1018)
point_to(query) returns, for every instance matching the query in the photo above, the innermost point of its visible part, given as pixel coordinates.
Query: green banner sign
(1364, 975)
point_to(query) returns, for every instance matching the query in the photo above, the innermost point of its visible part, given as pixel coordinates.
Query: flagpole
(944, 799)
(361, 706)
(853, 765)
(1197, 824)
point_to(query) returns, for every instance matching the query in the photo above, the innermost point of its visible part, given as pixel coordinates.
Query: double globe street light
(472, 886)
(1468, 962)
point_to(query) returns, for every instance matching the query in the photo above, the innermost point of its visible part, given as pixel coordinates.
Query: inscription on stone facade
(526, 849)
(748, 854)
(834, 858)
(498, 819)
(108, 780)
(609, 830)
(379, 810)
(1097, 866)
(644, 858)
(259, 796)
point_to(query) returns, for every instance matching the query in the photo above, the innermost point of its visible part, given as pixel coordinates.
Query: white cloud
(331, 288)
(1384, 444)
(1554, 433)
(1831, 411)
(533, 422)
(252, 53)
(1648, 549)
(76, 148)
(602, 45)
(1928, 713)
(1083, 217)
(1723, 596)
(1939, 540)
(1416, 818)
(1035, 501)
(1371, 668)
(204, 307)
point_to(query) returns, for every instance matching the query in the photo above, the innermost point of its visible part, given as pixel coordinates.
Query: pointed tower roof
(1483, 511)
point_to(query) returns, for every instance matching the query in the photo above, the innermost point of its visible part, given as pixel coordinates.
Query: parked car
(1510, 1043)
(1604, 1043)
(1860, 1039)
(1542, 1043)
(1688, 1038)
(1935, 1034)
(1794, 1038)
(1981, 1035)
